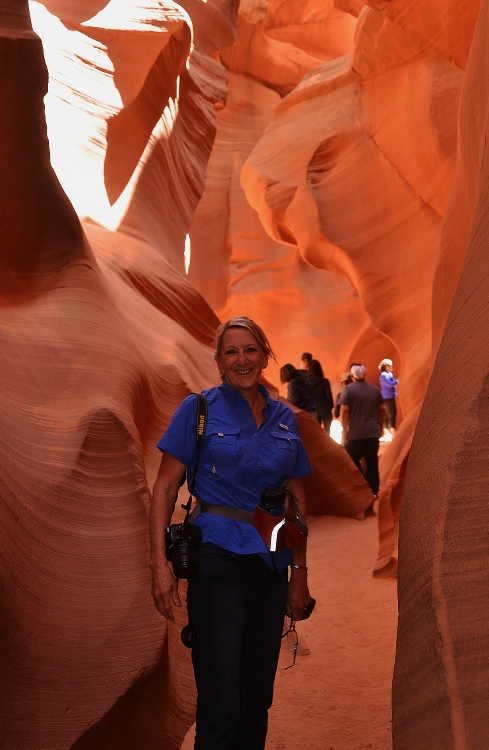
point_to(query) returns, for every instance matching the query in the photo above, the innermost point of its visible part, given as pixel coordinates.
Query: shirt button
(259, 463)
(213, 469)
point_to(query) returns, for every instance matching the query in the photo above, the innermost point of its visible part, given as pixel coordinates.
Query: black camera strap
(200, 426)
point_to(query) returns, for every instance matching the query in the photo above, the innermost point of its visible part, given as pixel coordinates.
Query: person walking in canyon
(345, 379)
(300, 390)
(324, 396)
(388, 389)
(362, 419)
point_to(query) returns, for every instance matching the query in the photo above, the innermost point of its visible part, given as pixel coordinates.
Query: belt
(226, 511)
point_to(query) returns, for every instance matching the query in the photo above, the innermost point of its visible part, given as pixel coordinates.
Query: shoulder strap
(200, 426)
(201, 420)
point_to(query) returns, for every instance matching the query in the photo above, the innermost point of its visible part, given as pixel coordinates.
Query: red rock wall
(332, 189)
(102, 335)
(317, 206)
(96, 352)
(441, 670)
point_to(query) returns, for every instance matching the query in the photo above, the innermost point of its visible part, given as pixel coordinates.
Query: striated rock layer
(442, 671)
(311, 162)
(102, 335)
(95, 355)
(327, 189)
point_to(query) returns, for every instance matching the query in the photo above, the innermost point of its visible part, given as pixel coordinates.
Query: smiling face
(241, 360)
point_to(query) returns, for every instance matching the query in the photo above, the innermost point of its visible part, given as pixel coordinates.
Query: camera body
(272, 501)
(181, 548)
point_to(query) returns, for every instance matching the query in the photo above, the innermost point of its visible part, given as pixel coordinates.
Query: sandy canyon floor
(337, 697)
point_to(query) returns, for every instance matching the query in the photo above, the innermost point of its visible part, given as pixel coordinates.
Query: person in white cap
(362, 418)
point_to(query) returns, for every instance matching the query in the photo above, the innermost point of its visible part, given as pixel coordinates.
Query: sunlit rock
(361, 195)
(97, 350)
(102, 335)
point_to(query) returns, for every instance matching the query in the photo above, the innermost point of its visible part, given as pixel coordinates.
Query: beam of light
(336, 431)
(186, 254)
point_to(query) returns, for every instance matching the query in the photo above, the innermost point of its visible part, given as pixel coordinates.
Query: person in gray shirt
(362, 418)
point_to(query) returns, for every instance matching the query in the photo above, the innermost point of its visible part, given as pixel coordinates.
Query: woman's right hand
(164, 590)
(165, 490)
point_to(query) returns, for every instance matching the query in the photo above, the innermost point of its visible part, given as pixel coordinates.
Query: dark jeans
(390, 413)
(238, 606)
(366, 448)
(325, 417)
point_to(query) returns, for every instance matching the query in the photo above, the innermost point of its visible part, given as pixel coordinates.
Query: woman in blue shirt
(239, 596)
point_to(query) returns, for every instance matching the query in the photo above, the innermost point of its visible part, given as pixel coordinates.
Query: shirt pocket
(283, 445)
(224, 452)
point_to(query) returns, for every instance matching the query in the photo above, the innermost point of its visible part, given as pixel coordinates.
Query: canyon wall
(308, 150)
(96, 352)
(442, 670)
(102, 335)
(327, 189)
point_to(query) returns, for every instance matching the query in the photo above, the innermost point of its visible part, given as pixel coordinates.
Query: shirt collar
(234, 396)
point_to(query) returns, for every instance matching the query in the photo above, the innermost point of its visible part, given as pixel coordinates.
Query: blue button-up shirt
(237, 461)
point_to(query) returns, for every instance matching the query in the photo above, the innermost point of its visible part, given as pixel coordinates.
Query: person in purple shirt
(388, 389)
(238, 598)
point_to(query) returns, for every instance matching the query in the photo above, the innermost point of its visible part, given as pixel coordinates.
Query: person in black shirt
(324, 396)
(300, 391)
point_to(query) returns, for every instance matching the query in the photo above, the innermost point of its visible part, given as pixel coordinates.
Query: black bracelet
(295, 566)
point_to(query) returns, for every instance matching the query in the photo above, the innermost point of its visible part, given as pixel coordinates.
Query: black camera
(272, 501)
(181, 548)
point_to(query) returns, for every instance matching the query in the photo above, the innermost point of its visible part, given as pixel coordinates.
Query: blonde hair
(249, 325)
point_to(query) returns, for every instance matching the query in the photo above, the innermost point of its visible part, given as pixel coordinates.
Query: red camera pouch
(271, 529)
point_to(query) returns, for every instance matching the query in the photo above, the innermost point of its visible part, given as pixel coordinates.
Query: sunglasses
(292, 637)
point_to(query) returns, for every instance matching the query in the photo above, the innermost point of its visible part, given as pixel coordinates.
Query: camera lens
(184, 560)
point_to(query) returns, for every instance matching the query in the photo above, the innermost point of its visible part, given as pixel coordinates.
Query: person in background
(240, 594)
(324, 397)
(362, 418)
(345, 379)
(306, 359)
(388, 389)
(300, 391)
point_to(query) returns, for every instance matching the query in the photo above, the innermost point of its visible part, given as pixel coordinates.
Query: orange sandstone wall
(96, 351)
(101, 337)
(342, 177)
(308, 148)
(442, 671)
(328, 185)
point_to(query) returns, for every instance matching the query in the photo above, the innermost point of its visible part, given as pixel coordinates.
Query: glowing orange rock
(96, 354)
(360, 197)
(101, 337)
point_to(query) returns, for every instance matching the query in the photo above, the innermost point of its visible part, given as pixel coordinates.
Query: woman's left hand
(298, 596)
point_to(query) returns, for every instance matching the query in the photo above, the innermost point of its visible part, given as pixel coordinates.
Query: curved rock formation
(101, 337)
(348, 200)
(96, 354)
(441, 669)
(317, 209)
